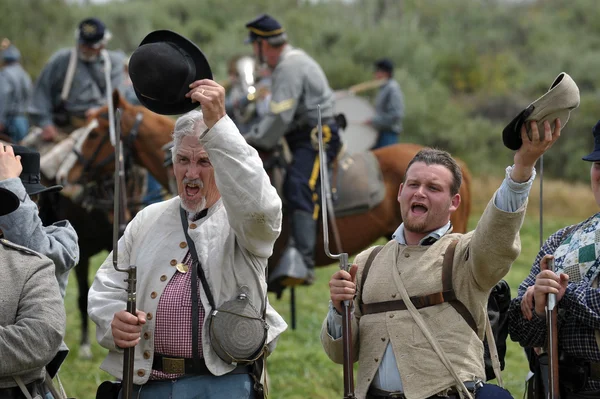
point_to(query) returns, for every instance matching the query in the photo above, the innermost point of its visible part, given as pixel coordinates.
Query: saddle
(357, 181)
(358, 184)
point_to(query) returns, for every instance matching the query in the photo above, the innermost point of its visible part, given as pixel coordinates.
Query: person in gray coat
(298, 87)
(63, 102)
(32, 315)
(389, 105)
(20, 173)
(15, 90)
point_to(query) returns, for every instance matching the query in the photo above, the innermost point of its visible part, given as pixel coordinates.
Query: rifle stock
(552, 327)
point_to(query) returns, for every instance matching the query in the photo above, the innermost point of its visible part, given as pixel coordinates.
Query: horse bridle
(91, 167)
(90, 175)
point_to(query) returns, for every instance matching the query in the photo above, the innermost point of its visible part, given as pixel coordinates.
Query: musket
(552, 326)
(344, 265)
(119, 196)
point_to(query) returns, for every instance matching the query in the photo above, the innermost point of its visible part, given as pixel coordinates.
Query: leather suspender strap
(447, 286)
(368, 264)
(196, 269)
(418, 301)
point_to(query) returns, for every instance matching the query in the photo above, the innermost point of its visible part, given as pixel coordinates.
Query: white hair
(190, 124)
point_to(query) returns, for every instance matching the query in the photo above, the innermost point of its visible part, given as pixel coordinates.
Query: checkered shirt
(173, 334)
(579, 313)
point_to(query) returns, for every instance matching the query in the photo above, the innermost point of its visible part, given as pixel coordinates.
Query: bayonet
(119, 208)
(344, 265)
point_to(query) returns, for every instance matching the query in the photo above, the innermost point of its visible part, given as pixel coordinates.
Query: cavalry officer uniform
(15, 89)
(299, 85)
(32, 316)
(88, 86)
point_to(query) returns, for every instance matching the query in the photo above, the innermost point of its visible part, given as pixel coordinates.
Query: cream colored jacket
(482, 258)
(233, 243)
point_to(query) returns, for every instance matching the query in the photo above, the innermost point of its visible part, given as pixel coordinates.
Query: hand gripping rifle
(119, 217)
(552, 327)
(344, 265)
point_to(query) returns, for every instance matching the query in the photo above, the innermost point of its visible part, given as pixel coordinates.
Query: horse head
(143, 133)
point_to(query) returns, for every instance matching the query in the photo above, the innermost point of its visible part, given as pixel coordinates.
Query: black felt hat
(9, 202)
(161, 70)
(594, 156)
(30, 176)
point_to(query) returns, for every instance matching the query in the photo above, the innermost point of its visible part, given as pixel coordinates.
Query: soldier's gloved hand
(211, 97)
(49, 133)
(342, 287)
(127, 328)
(10, 165)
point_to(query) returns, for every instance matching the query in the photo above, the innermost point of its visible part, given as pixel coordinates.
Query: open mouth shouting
(192, 188)
(418, 208)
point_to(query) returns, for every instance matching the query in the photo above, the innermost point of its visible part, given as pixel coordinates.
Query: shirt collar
(427, 240)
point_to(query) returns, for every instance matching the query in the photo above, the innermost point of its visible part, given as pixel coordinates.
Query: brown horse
(356, 231)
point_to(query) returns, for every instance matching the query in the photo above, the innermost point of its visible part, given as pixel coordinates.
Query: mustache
(193, 181)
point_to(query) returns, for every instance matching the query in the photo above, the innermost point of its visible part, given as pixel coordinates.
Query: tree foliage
(466, 66)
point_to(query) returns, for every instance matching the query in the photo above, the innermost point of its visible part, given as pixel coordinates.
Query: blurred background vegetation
(466, 67)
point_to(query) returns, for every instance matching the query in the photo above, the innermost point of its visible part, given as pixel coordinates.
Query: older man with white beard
(234, 217)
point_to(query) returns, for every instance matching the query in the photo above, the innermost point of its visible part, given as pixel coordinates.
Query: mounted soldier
(75, 81)
(299, 85)
(15, 89)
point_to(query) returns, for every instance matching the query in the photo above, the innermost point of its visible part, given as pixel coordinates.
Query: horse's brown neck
(154, 133)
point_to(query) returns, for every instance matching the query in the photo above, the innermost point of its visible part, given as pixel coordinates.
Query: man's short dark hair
(433, 156)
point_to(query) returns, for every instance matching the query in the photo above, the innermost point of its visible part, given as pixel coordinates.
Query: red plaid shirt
(173, 334)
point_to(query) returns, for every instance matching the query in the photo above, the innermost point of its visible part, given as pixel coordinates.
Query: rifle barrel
(552, 325)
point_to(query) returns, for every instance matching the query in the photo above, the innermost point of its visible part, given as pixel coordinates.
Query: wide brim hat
(30, 176)
(558, 102)
(9, 202)
(161, 70)
(594, 156)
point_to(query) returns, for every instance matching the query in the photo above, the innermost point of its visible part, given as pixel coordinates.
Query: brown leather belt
(180, 365)
(376, 393)
(419, 302)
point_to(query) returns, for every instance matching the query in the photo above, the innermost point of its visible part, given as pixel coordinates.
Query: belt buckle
(397, 395)
(173, 366)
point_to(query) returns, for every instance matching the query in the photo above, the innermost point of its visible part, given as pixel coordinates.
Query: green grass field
(299, 367)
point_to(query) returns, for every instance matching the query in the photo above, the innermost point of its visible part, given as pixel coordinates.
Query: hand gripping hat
(9, 202)
(30, 176)
(558, 102)
(594, 156)
(264, 27)
(161, 70)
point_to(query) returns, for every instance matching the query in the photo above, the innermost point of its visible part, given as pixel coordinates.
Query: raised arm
(252, 203)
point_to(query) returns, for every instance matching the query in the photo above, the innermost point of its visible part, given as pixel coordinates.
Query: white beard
(88, 58)
(192, 211)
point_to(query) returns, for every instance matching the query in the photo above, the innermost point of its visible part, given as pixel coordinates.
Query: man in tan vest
(437, 350)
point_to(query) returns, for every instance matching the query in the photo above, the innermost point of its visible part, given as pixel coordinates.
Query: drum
(357, 137)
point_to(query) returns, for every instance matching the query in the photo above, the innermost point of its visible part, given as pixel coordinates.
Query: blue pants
(17, 127)
(235, 386)
(302, 185)
(153, 191)
(386, 138)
